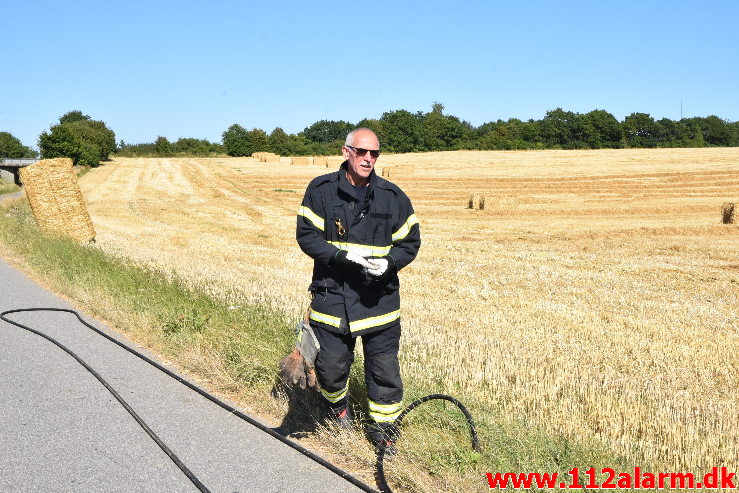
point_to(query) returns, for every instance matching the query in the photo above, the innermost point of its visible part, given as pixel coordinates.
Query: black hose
(200, 486)
(382, 482)
(356, 482)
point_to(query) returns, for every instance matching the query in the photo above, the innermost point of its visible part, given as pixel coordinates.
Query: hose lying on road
(382, 483)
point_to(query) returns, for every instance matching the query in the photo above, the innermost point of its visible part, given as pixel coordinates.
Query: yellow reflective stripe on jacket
(384, 412)
(403, 231)
(367, 323)
(317, 221)
(326, 319)
(363, 250)
(334, 397)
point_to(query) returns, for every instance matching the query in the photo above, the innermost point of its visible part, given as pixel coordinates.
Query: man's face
(361, 164)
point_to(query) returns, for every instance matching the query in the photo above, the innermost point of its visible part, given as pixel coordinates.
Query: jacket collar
(348, 188)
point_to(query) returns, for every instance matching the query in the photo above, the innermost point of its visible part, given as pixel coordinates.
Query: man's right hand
(351, 259)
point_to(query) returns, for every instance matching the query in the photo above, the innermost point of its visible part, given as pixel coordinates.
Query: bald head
(362, 134)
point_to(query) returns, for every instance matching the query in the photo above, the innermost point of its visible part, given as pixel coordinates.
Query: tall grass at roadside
(7, 187)
(234, 349)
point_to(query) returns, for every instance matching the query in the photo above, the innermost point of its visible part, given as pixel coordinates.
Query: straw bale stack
(334, 161)
(397, 171)
(476, 202)
(302, 160)
(320, 160)
(729, 213)
(56, 200)
(266, 157)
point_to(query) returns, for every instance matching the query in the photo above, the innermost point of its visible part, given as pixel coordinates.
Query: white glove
(358, 259)
(378, 266)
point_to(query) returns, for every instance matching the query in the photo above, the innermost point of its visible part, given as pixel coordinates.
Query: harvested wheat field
(596, 295)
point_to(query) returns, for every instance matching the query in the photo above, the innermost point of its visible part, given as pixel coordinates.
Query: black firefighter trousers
(381, 370)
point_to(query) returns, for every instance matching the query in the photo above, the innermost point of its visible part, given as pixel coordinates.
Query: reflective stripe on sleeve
(384, 413)
(403, 231)
(325, 319)
(317, 221)
(367, 323)
(334, 397)
(363, 250)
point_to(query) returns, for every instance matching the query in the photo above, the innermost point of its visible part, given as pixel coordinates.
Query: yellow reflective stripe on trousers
(334, 397)
(403, 231)
(363, 250)
(325, 319)
(384, 412)
(367, 323)
(317, 221)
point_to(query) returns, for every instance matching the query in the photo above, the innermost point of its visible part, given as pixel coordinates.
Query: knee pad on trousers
(333, 370)
(384, 384)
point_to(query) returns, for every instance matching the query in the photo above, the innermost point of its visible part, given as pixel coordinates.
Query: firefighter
(360, 230)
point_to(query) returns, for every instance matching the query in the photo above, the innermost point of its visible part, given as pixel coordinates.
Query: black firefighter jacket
(330, 219)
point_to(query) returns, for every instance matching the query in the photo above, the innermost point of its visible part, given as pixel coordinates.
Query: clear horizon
(182, 69)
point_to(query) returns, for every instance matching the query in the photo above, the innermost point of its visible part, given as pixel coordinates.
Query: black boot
(342, 417)
(383, 437)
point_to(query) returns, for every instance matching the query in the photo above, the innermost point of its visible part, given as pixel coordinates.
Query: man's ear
(345, 152)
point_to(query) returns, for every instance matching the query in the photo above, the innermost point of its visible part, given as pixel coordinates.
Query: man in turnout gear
(360, 230)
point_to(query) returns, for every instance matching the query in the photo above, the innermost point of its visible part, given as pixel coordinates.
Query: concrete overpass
(9, 168)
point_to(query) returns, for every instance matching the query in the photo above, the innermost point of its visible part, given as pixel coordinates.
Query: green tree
(671, 134)
(376, 126)
(162, 147)
(640, 130)
(13, 148)
(73, 116)
(606, 130)
(279, 142)
(258, 140)
(403, 131)
(236, 141)
(716, 131)
(196, 147)
(555, 128)
(328, 131)
(77, 136)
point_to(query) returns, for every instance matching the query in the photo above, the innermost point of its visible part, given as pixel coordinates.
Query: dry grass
(597, 294)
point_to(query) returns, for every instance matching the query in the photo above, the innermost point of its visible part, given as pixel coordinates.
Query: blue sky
(191, 69)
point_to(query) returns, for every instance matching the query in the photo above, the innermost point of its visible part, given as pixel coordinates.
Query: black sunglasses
(375, 153)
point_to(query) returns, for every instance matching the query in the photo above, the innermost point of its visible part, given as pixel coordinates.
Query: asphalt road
(62, 431)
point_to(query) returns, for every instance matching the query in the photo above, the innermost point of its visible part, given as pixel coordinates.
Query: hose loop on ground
(382, 482)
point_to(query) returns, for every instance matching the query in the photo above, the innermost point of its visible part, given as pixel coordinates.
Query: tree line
(89, 141)
(402, 131)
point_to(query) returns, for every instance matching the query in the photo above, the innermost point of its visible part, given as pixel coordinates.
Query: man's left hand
(379, 266)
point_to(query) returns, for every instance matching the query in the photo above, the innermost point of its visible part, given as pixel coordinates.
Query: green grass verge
(236, 350)
(7, 187)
